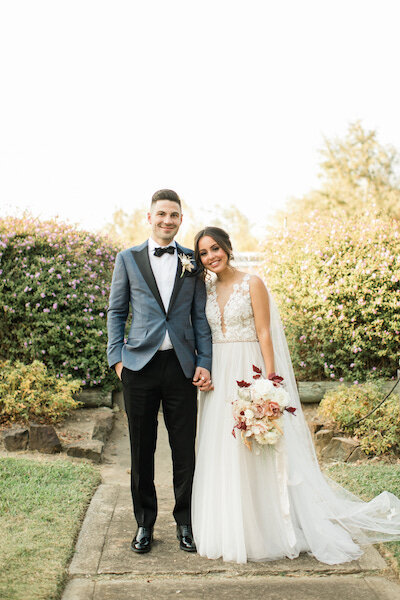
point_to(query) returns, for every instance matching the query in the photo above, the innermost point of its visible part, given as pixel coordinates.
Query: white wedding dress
(275, 503)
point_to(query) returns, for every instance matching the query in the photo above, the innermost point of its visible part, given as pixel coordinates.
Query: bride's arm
(260, 303)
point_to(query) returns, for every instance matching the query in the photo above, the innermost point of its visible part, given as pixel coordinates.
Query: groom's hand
(118, 369)
(202, 379)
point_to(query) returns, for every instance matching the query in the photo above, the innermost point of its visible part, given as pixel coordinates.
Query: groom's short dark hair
(166, 195)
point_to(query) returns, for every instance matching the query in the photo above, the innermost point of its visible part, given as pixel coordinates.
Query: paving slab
(79, 589)
(272, 588)
(166, 557)
(94, 530)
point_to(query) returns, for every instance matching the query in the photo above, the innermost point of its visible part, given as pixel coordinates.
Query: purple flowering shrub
(54, 287)
(337, 285)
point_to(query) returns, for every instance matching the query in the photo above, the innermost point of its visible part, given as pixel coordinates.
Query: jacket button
(167, 318)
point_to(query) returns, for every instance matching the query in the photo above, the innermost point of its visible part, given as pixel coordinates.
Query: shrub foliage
(378, 433)
(54, 287)
(337, 283)
(30, 392)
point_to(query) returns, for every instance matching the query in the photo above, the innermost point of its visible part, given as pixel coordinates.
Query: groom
(166, 357)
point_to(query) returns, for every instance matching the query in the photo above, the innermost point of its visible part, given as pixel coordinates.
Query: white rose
(243, 394)
(272, 437)
(281, 397)
(248, 414)
(262, 388)
(258, 428)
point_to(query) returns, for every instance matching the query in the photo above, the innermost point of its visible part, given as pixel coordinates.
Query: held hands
(202, 380)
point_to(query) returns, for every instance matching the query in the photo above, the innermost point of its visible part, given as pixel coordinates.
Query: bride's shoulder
(255, 281)
(257, 286)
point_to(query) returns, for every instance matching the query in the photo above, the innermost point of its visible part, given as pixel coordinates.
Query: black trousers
(161, 380)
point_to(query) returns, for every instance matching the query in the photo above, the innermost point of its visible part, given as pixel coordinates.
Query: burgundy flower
(276, 379)
(257, 372)
(243, 383)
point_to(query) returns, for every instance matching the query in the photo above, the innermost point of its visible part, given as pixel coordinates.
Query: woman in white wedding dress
(275, 503)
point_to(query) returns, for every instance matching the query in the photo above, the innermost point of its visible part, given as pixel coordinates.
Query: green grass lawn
(366, 481)
(42, 504)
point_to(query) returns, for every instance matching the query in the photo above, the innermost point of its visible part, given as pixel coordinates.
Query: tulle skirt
(261, 505)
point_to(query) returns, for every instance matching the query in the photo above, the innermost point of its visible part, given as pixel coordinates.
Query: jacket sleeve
(201, 327)
(117, 312)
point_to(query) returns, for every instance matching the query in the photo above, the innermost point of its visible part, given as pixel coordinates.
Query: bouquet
(258, 409)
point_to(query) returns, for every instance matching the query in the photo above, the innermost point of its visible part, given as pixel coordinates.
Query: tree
(357, 173)
(129, 230)
(238, 226)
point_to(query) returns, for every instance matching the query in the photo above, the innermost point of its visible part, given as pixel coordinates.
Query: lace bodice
(237, 317)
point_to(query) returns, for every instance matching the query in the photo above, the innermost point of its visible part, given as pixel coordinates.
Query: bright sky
(225, 101)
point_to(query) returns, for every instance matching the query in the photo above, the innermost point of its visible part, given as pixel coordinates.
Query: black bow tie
(160, 251)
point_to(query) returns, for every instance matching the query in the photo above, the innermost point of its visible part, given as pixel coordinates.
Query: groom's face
(165, 218)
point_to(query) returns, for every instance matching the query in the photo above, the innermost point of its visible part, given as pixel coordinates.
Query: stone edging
(44, 438)
(311, 392)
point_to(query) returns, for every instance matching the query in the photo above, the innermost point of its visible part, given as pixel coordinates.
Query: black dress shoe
(142, 541)
(185, 536)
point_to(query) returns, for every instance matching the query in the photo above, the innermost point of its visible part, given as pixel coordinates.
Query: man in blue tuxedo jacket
(166, 357)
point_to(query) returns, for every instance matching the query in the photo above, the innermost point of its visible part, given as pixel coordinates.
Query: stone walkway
(104, 568)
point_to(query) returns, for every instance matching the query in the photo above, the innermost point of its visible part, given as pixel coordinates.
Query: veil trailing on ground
(332, 520)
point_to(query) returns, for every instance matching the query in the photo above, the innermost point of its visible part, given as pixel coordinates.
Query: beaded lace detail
(236, 323)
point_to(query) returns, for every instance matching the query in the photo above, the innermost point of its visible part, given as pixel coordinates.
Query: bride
(275, 503)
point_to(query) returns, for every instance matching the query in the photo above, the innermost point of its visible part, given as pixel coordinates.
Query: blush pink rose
(273, 410)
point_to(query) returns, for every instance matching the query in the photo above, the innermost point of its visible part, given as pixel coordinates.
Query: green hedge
(54, 287)
(337, 284)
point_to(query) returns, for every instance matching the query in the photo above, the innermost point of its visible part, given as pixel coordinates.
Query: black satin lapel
(177, 285)
(143, 262)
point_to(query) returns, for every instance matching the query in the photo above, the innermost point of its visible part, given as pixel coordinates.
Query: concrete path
(104, 568)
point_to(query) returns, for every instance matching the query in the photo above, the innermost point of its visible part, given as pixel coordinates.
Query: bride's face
(212, 256)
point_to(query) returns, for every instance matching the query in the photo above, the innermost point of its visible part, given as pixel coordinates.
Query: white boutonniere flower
(186, 262)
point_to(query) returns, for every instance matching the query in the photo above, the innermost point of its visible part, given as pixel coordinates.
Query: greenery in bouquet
(336, 281)
(379, 433)
(54, 287)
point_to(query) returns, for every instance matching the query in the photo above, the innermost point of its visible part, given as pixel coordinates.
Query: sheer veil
(332, 520)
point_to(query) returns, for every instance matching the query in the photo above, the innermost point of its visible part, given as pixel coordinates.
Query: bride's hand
(207, 388)
(202, 379)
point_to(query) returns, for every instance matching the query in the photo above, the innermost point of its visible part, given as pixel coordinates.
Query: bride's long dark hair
(221, 238)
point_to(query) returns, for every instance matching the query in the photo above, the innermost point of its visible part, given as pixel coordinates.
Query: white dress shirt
(164, 268)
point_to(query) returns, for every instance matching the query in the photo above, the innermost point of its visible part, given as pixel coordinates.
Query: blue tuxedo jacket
(134, 283)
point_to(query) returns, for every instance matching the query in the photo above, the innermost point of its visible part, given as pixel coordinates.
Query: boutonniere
(187, 264)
